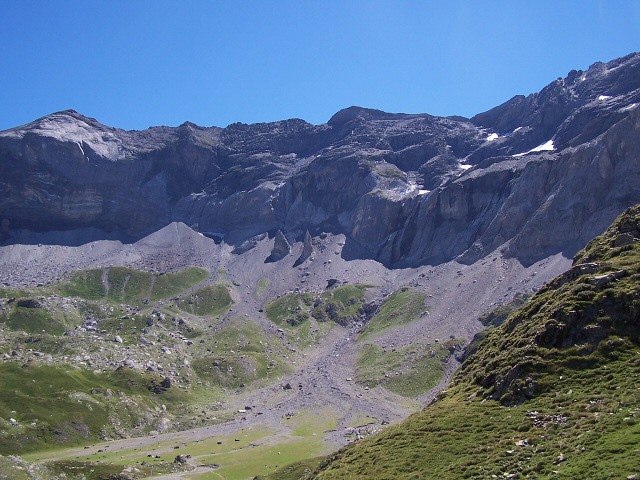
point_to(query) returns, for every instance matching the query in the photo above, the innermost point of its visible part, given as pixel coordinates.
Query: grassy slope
(130, 286)
(60, 405)
(66, 404)
(552, 393)
(410, 372)
(401, 307)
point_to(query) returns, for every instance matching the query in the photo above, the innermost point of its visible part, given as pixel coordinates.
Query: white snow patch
(465, 166)
(517, 130)
(545, 147)
(629, 107)
(492, 137)
(423, 192)
(602, 98)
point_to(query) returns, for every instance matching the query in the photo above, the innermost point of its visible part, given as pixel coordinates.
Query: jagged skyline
(134, 65)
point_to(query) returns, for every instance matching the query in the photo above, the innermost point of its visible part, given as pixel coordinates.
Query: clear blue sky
(137, 63)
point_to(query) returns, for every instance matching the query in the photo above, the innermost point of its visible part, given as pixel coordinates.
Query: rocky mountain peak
(542, 114)
(365, 114)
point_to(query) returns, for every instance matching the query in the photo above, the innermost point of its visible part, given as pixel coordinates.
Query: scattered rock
(29, 303)
(331, 282)
(561, 458)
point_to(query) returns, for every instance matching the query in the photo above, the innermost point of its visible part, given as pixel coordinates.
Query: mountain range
(540, 174)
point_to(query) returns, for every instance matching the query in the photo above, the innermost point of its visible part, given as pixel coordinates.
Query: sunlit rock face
(536, 175)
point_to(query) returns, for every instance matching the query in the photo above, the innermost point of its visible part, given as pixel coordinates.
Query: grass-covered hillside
(553, 392)
(114, 352)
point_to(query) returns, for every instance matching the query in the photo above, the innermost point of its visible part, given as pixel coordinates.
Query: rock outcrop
(307, 249)
(281, 248)
(538, 175)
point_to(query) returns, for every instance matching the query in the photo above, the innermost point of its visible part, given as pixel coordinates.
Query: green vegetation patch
(409, 372)
(13, 292)
(35, 320)
(342, 305)
(401, 307)
(292, 309)
(209, 300)
(263, 285)
(240, 355)
(126, 285)
(53, 406)
(267, 458)
(390, 171)
(128, 328)
(15, 468)
(171, 284)
(86, 284)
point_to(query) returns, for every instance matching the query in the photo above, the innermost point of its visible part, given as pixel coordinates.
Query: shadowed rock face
(404, 189)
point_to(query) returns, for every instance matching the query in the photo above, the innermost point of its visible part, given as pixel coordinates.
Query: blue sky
(134, 64)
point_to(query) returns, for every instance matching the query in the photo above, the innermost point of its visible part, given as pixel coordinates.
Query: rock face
(307, 249)
(538, 174)
(281, 248)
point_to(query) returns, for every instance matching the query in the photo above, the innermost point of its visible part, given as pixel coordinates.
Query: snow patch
(602, 98)
(629, 107)
(492, 137)
(545, 147)
(412, 188)
(517, 130)
(465, 166)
